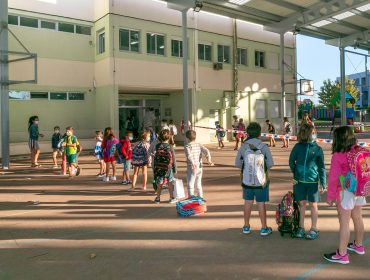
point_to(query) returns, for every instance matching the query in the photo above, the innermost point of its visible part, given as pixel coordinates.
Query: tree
(328, 92)
(352, 89)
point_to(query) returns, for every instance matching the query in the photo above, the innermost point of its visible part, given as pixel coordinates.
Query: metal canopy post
(185, 73)
(282, 74)
(343, 108)
(4, 88)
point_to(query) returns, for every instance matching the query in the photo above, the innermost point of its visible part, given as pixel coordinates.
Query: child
(287, 131)
(173, 132)
(70, 149)
(348, 205)
(271, 130)
(109, 146)
(126, 152)
(141, 159)
(260, 193)
(55, 138)
(63, 154)
(220, 134)
(306, 161)
(193, 153)
(164, 165)
(99, 153)
(240, 133)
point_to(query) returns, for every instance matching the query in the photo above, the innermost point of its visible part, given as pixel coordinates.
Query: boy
(271, 130)
(193, 153)
(54, 145)
(98, 152)
(220, 134)
(70, 148)
(126, 152)
(255, 184)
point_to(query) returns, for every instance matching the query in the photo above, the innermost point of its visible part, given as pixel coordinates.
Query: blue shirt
(34, 132)
(55, 140)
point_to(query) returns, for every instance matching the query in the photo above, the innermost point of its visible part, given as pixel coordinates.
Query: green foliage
(329, 94)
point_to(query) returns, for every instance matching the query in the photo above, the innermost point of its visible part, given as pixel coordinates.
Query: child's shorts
(126, 164)
(109, 159)
(304, 191)
(99, 158)
(349, 200)
(260, 195)
(71, 158)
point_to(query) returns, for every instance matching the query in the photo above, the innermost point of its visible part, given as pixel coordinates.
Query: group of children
(307, 165)
(157, 153)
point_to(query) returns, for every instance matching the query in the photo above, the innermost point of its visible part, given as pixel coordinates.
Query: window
(13, 19)
(85, 30)
(39, 95)
(275, 109)
(58, 96)
(101, 43)
(242, 56)
(129, 40)
(259, 59)
(176, 48)
(29, 22)
(357, 82)
(66, 27)
(204, 52)
(223, 54)
(260, 109)
(289, 108)
(155, 43)
(76, 96)
(48, 24)
(19, 95)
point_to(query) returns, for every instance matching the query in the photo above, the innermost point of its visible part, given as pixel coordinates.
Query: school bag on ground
(163, 160)
(254, 174)
(139, 155)
(357, 179)
(287, 215)
(191, 207)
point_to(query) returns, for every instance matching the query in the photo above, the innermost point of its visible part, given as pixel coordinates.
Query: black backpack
(163, 160)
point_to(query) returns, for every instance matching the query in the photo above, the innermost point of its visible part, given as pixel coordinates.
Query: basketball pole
(4, 84)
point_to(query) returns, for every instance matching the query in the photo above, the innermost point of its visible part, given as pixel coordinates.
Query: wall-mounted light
(198, 6)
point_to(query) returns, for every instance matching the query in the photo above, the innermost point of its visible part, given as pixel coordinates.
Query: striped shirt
(194, 152)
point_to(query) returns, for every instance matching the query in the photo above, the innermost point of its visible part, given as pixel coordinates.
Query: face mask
(69, 133)
(148, 139)
(56, 131)
(130, 138)
(36, 122)
(313, 137)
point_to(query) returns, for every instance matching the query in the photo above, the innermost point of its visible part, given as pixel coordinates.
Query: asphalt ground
(56, 228)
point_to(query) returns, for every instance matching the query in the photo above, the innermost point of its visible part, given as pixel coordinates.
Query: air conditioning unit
(217, 66)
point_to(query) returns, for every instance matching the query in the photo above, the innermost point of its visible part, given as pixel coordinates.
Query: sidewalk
(83, 228)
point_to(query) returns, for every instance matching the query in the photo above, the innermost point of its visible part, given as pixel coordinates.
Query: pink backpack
(358, 178)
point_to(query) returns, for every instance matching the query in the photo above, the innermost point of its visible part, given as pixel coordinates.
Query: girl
(126, 152)
(220, 134)
(141, 159)
(306, 161)
(109, 153)
(271, 130)
(99, 153)
(287, 131)
(240, 133)
(348, 205)
(33, 141)
(54, 145)
(306, 119)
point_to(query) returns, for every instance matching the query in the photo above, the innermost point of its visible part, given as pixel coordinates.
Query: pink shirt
(339, 166)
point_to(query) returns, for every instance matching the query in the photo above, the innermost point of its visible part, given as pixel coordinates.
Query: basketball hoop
(306, 87)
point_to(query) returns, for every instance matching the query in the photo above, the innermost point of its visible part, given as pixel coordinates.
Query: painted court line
(320, 267)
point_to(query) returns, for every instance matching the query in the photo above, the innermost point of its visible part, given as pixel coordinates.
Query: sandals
(312, 234)
(300, 233)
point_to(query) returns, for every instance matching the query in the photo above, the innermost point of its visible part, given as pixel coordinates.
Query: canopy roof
(340, 23)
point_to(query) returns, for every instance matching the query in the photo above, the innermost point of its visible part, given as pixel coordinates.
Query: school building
(100, 61)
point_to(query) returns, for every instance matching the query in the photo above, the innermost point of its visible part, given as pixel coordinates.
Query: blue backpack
(139, 155)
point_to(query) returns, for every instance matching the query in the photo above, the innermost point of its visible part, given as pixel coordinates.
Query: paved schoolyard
(86, 229)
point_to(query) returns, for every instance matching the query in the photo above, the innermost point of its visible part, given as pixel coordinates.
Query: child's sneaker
(266, 231)
(246, 230)
(113, 178)
(337, 258)
(157, 200)
(355, 248)
(173, 200)
(124, 182)
(55, 167)
(100, 175)
(105, 179)
(78, 171)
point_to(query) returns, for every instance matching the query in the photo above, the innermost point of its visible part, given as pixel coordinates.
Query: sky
(317, 61)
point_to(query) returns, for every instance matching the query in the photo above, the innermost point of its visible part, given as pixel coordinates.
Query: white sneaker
(105, 179)
(113, 178)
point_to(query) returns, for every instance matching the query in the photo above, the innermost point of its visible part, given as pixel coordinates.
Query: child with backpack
(307, 164)
(286, 131)
(254, 159)
(141, 159)
(220, 134)
(55, 138)
(193, 153)
(173, 132)
(164, 165)
(98, 152)
(271, 130)
(109, 146)
(70, 145)
(343, 190)
(125, 151)
(63, 155)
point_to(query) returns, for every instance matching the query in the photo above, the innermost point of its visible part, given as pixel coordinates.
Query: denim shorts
(126, 164)
(305, 191)
(261, 195)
